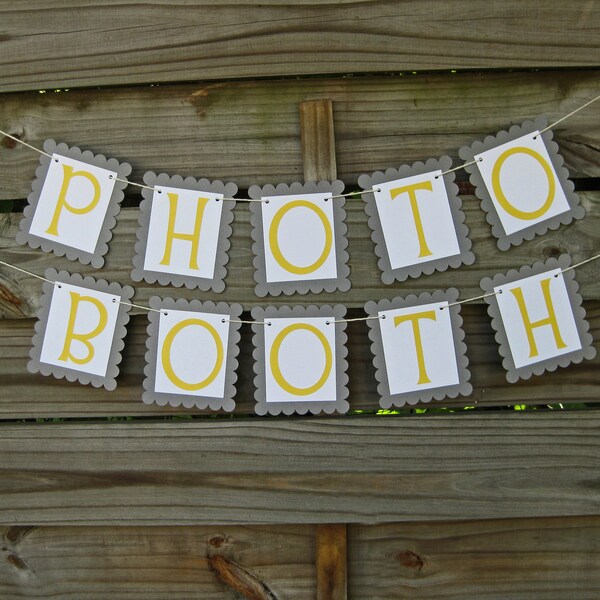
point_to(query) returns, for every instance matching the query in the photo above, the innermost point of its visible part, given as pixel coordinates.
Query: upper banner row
(299, 230)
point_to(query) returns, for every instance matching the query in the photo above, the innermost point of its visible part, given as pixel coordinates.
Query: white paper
(301, 360)
(399, 226)
(545, 341)
(400, 348)
(185, 222)
(87, 319)
(75, 230)
(523, 181)
(194, 353)
(301, 236)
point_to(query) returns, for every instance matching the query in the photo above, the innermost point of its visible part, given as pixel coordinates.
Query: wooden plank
(328, 470)
(519, 559)
(318, 140)
(154, 562)
(51, 45)
(332, 568)
(504, 559)
(20, 294)
(318, 156)
(27, 396)
(249, 132)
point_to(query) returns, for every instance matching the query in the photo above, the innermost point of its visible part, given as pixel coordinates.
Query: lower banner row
(300, 352)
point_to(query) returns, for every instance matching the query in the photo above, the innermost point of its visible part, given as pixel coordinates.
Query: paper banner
(418, 348)
(417, 221)
(80, 329)
(300, 360)
(522, 183)
(538, 318)
(184, 231)
(74, 203)
(192, 354)
(299, 238)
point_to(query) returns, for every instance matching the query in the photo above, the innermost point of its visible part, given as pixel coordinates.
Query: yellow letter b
(84, 338)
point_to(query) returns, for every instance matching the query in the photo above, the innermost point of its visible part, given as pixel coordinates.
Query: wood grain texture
(20, 294)
(509, 559)
(25, 396)
(50, 45)
(365, 470)
(318, 140)
(332, 557)
(154, 562)
(249, 132)
(525, 559)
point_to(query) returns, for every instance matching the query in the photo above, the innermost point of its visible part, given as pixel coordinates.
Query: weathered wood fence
(485, 503)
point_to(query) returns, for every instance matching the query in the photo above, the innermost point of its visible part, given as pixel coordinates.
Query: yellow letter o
(166, 355)
(274, 360)
(274, 243)
(503, 200)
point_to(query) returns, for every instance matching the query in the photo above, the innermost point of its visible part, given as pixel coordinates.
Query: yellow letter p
(61, 203)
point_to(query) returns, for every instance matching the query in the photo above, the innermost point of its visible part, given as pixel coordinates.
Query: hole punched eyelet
(267, 201)
(268, 323)
(383, 317)
(223, 321)
(166, 314)
(327, 322)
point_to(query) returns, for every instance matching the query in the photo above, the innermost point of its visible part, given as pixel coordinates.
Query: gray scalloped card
(522, 183)
(418, 348)
(538, 318)
(416, 219)
(80, 329)
(74, 202)
(192, 353)
(184, 230)
(300, 360)
(299, 238)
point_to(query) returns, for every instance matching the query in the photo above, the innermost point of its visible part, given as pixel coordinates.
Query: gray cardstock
(587, 351)
(36, 366)
(316, 286)
(505, 241)
(216, 283)
(463, 388)
(96, 258)
(261, 315)
(229, 311)
(465, 257)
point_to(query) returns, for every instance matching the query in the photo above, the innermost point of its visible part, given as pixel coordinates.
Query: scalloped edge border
(463, 388)
(96, 258)
(341, 282)
(35, 365)
(505, 241)
(341, 404)
(587, 350)
(465, 257)
(150, 396)
(216, 283)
